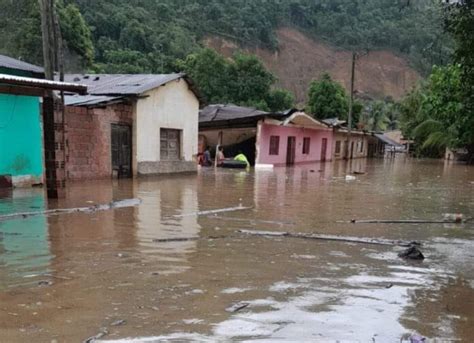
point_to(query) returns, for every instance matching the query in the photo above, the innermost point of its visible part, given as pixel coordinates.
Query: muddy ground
(68, 277)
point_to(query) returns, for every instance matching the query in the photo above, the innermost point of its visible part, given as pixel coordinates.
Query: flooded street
(161, 271)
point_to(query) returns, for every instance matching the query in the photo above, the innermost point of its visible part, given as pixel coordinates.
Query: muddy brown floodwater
(68, 277)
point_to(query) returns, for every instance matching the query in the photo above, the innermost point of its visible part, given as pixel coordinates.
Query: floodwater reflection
(107, 266)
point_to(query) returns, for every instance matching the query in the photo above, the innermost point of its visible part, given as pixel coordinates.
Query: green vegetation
(327, 99)
(439, 114)
(157, 32)
(242, 81)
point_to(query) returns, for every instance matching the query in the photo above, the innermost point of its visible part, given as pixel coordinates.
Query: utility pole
(355, 58)
(54, 132)
(351, 108)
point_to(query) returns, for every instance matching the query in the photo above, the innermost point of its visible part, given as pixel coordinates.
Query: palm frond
(438, 139)
(428, 127)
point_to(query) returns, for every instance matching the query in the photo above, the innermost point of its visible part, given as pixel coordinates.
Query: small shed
(131, 125)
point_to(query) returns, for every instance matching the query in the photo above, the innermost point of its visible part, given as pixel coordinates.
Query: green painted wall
(21, 146)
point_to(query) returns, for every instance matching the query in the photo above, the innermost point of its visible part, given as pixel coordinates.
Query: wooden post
(351, 107)
(53, 111)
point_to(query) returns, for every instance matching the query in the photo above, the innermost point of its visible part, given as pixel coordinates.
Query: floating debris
(412, 253)
(90, 209)
(237, 307)
(222, 210)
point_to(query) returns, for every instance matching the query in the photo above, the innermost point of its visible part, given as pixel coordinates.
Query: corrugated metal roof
(89, 100)
(214, 113)
(41, 83)
(387, 140)
(122, 84)
(12, 63)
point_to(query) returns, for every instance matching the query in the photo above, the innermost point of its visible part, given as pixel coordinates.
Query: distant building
(359, 144)
(131, 125)
(267, 139)
(22, 140)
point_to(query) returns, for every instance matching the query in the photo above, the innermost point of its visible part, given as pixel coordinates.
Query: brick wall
(89, 139)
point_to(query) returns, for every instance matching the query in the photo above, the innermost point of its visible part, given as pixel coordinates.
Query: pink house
(297, 139)
(267, 139)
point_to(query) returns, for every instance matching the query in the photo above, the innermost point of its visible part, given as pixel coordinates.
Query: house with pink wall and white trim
(267, 139)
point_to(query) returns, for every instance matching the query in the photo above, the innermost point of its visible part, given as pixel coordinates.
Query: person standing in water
(220, 156)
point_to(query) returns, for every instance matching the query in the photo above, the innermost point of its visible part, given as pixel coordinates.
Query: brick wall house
(89, 139)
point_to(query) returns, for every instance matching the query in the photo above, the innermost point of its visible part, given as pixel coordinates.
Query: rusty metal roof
(122, 84)
(12, 63)
(11, 80)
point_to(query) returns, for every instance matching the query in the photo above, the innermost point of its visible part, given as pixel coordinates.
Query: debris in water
(103, 332)
(44, 283)
(453, 217)
(358, 173)
(390, 285)
(222, 210)
(350, 178)
(90, 209)
(119, 322)
(416, 338)
(412, 253)
(237, 307)
(344, 239)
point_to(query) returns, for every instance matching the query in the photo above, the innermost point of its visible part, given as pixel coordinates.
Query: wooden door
(291, 151)
(122, 150)
(324, 149)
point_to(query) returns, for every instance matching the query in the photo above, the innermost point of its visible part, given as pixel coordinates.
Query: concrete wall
(173, 106)
(89, 139)
(356, 138)
(21, 142)
(284, 132)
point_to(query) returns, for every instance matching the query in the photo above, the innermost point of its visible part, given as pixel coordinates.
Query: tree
(459, 22)
(210, 72)
(76, 33)
(280, 100)
(327, 99)
(243, 81)
(434, 114)
(250, 82)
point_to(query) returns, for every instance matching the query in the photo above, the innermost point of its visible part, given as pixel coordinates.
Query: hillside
(138, 36)
(300, 59)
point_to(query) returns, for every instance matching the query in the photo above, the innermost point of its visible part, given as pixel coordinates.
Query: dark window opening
(338, 147)
(274, 145)
(306, 145)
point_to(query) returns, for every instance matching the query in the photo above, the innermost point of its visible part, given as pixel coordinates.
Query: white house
(141, 125)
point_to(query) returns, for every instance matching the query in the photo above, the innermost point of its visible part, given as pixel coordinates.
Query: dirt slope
(301, 59)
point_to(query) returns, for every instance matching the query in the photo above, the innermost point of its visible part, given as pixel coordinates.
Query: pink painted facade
(315, 135)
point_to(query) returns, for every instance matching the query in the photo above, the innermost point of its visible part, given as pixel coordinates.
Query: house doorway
(291, 151)
(324, 149)
(351, 153)
(121, 150)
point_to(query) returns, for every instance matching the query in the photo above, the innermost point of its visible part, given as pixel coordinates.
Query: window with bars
(274, 145)
(306, 145)
(170, 145)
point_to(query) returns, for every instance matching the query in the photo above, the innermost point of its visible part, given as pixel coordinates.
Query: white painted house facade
(151, 125)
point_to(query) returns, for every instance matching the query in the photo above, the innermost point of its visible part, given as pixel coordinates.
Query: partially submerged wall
(21, 142)
(283, 132)
(89, 139)
(172, 106)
